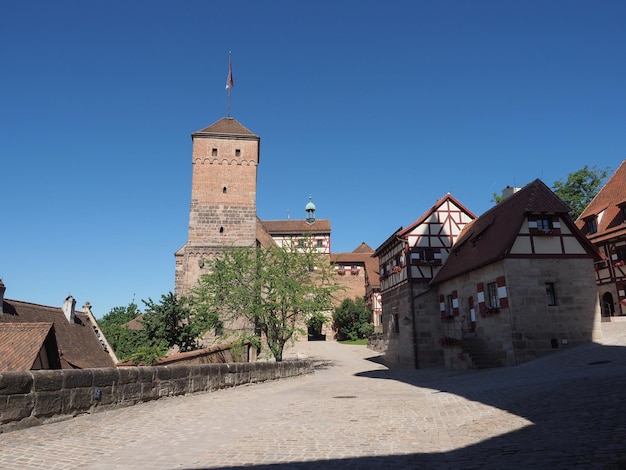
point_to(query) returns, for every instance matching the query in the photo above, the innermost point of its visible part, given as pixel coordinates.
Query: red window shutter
(442, 306)
(504, 301)
(480, 289)
(455, 303)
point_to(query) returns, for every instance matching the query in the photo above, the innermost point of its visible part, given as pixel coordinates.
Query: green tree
(580, 188)
(124, 341)
(173, 323)
(353, 319)
(277, 290)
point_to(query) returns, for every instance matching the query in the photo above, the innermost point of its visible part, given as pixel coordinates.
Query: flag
(229, 81)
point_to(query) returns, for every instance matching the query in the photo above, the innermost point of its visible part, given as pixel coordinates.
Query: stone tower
(225, 156)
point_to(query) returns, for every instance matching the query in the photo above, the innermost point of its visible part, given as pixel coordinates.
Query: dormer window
(592, 225)
(544, 225)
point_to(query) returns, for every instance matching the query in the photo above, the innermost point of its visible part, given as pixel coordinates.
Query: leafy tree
(172, 323)
(353, 319)
(497, 198)
(277, 290)
(124, 341)
(580, 188)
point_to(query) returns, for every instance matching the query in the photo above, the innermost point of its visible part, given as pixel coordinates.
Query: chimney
(2, 290)
(509, 191)
(68, 308)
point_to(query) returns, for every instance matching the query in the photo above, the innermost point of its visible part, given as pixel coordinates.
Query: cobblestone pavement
(564, 411)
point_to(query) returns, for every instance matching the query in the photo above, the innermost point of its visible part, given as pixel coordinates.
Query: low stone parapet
(37, 397)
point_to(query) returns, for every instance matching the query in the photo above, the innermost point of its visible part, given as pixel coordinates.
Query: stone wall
(37, 397)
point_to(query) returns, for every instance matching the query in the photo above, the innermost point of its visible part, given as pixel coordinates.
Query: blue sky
(375, 109)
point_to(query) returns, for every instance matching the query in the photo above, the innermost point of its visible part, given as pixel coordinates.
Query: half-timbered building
(409, 260)
(518, 284)
(604, 223)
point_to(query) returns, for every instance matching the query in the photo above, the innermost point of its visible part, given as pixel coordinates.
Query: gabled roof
(226, 126)
(20, 344)
(362, 254)
(77, 342)
(609, 199)
(296, 227)
(391, 241)
(262, 236)
(364, 248)
(491, 236)
(432, 210)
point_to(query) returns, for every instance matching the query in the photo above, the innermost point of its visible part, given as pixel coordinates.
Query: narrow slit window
(551, 293)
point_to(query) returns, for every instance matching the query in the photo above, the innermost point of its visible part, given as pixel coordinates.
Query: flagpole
(229, 81)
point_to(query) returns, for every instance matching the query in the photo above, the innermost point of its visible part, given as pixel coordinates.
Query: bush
(353, 320)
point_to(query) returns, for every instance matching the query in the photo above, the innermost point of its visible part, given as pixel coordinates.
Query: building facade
(604, 223)
(517, 283)
(409, 260)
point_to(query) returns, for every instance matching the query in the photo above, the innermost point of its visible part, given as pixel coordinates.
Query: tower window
(224, 189)
(238, 152)
(221, 229)
(214, 152)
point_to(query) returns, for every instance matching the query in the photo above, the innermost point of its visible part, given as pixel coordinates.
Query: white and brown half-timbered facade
(604, 223)
(409, 260)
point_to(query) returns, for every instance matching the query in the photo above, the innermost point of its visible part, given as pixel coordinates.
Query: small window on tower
(221, 229)
(237, 152)
(214, 152)
(224, 189)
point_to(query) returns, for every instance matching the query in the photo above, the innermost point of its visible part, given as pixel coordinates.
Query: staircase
(478, 352)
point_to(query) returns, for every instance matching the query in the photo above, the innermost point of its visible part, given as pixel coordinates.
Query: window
(214, 152)
(592, 225)
(237, 152)
(493, 301)
(621, 253)
(396, 323)
(544, 225)
(427, 255)
(450, 307)
(551, 293)
(320, 243)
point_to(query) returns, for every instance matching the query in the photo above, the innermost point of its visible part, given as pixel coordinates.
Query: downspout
(510, 313)
(409, 278)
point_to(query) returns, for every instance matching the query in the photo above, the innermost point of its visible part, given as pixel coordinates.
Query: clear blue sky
(374, 108)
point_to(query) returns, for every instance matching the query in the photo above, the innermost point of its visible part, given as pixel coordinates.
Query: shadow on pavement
(575, 402)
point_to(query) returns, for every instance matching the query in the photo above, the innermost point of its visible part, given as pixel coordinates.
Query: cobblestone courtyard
(560, 412)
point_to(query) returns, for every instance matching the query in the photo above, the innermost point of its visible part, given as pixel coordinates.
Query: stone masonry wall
(36, 397)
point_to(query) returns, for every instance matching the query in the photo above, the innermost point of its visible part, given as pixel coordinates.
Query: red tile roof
(79, 347)
(491, 236)
(296, 227)
(609, 199)
(20, 344)
(226, 126)
(263, 238)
